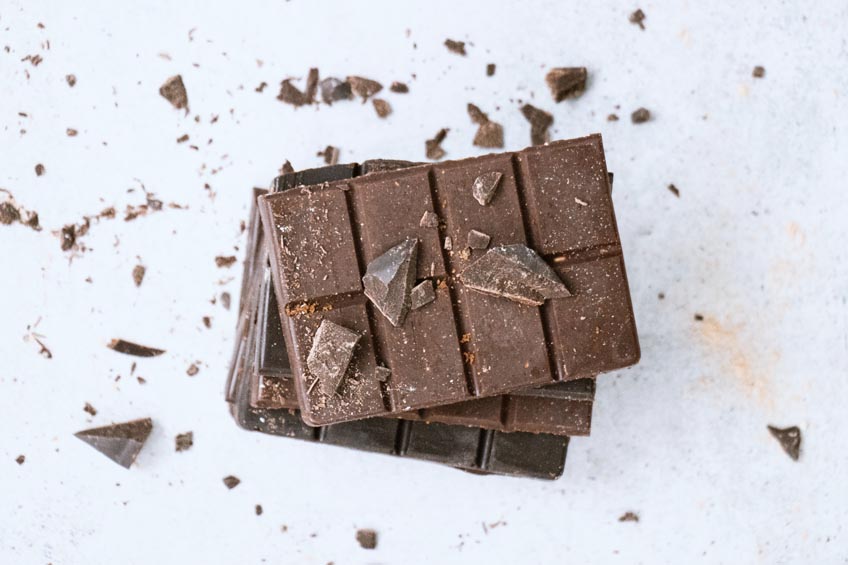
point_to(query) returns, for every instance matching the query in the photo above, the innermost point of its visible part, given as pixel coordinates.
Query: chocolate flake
(674, 190)
(192, 370)
(258, 509)
(119, 442)
(789, 439)
(422, 294)
(399, 87)
(540, 121)
(514, 272)
(290, 94)
(72, 80)
(138, 274)
(429, 220)
(20, 459)
(130, 348)
(333, 90)
(758, 72)
(389, 278)
(640, 116)
(364, 87)
(330, 355)
(261, 86)
(382, 107)
(382, 374)
(225, 261)
(174, 92)
(311, 85)
(478, 240)
(90, 409)
(490, 70)
(448, 243)
(566, 82)
(367, 538)
(629, 517)
(39, 170)
(433, 147)
(485, 186)
(489, 135)
(457, 47)
(637, 18)
(330, 155)
(231, 481)
(183, 442)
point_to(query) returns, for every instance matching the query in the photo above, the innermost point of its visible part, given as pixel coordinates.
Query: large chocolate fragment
(174, 91)
(422, 294)
(515, 272)
(119, 442)
(540, 121)
(389, 278)
(485, 186)
(566, 82)
(330, 355)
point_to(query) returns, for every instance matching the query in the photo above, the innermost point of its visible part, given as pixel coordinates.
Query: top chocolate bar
(443, 282)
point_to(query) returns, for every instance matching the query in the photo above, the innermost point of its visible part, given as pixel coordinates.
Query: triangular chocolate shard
(484, 187)
(329, 358)
(389, 278)
(515, 272)
(789, 439)
(119, 442)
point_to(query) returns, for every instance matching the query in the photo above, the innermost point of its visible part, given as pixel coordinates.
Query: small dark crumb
(629, 517)
(184, 441)
(759, 72)
(35, 60)
(638, 17)
(192, 370)
(141, 380)
(399, 87)
(72, 80)
(39, 170)
(382, 107)
(183, 138)
(661, 296)
(457, 47)
(207, 321)
(789, 439)
(174, 91)
(138, 274)
(330, 155)
(231, 482)
(20, 459)
(286, 168)
(364, 87)
(433, 147)
(71, 132)
(130, 348)
(540, 121)
(640, 116)
(284, 528)
(367, 538)
(612, 118)
(225, 300)
(225, 261)
(699, 317)
(261, 86)
(90, 409)
(674, 190)
(490, 70)
(566, 82)
(258, 509)
(69, 237)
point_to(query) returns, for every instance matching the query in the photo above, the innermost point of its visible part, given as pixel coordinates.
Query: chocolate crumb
(478, 239)
(20, 459)
(130, 348)
(433, 147)
(489, 135)
(192, 370)
(311, 85)
(674, 190)
(141, 380)
(71, 132)
(261, 86)
(207, 321)
(72, 80)
(184, 441)
(699, 317)
(637, 17)
(183, 138)
(382, 107)
(90, 409)
(330, 155)
(540, 121)
(399, 87)
(231, 482)
(629, 517)
(9, 214)
(258, 509)
(566, 82)
(364, 87)
(39, 170)
(789, 439)
(640, 116)
(476, 114)
(490, 70)
(457, 47)
(759, 72)
(661, 296)
(225, 261)
(367, 538)
(286, 168)
(69, 237)
(138, 274)
(173, 90)
(612, 118)
(225, 300)
(290, 94)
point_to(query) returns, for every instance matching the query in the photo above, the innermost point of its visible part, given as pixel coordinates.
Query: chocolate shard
(515, 272)
(389, 278)
(290, 94)
(119, 442)
(382, 374)
(429, 220)
(367, 538)
(329, 358)
(433, 147)
(422, 294)
(540, 121)
(789, 439)
(333, 90)
(484, 187)
(382, 107)
(364, 87)
(478, 240)
(640, 116)
(489, 135)
(174, 92)
(477, 115)
(566, 82)
(130, 348)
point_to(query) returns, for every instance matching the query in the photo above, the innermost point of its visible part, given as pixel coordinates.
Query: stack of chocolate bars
(456, 312)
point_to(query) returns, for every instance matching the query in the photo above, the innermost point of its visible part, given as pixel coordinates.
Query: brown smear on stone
(173, 90)
(789, 439)
(629, 517)
(640, 116)
(457, 47)
(367, 538)
(90, 409)
(364, 87)
(638, 18)
(225, 261)
(382, 107)
(183, 442)
(433, 147)
(566, 82)
(231, 481)
(540, 121)
(130, 348)
(138, 274)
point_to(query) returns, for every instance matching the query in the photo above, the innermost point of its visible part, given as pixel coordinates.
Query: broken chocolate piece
(399, 87)
(640, 116)
(119, 442)
(72, 80)
(364, 87)
(329, 358)
(130, 348)
(422, 294)
(69, 237)
(457, 47)
(637, 18)
(758, 72)
(484, 187)
(330, 155)
(566, 82)
(184, 441)
(629, 517)
(478, 240)
(490, 70)
(382, 374)
(90, 409)
(789, 439)
(231, 481)
(382, 107)
(489, 135)
(433, 147)
(674, 190)
(290, 94)
(138, 274)
(389, 278)
(429, 220)
(20, 459)
(514, 272)
(333, 90)
(540, 121)
(367, 538)
(174, 92)
(225, 261)
(311, 85)
(477, 115)
(39, 170)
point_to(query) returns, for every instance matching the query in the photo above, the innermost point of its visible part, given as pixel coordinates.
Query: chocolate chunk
(138, 274)
(640, 116)
(9, 214)
(90, 409)
(290, 94)
(477, 115)
(485, 186)
(758, 72)
(183, 138)
(286, 168)
(330, 155)
(130, 348)
(119, 442)
(448, 243)
(478, 240)
(490, 70)
(184, 441)
(389, 278)
(489, 135)
(399, 87)
(311, 86)
(231, 481)
(540, 121)
(629, 517)
(39, 170)
(429, 220)
(612, 118)
(72, 80)
(789, 439)
(638, 17)
(433, 147)
(192, 370)
(330, 355)
(333, 90)
(422, 294)
(674, 190)
(382, 374)
(68, 237)
(258, 509)
(364, 87)
(566, 82)
(20, 459)
(515, 272)
(382, 107)
(225, 261)
(174, 92)
(457, 47)
(367, 538)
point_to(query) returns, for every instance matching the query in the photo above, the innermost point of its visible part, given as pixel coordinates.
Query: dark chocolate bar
(546, 302)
